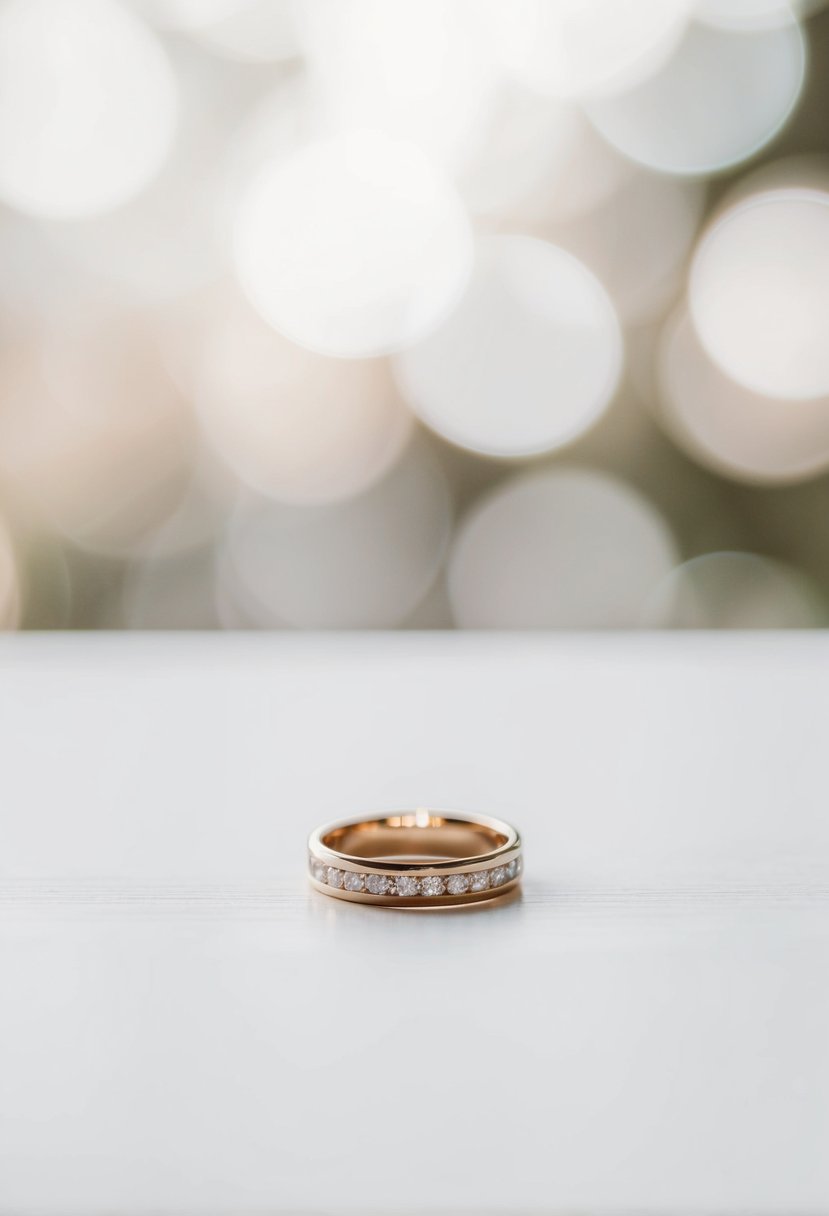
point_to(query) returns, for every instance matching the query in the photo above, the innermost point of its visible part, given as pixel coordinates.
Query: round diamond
(353, 882)
(479, 881)
(334, 877)
(512, 869)
(378, 884)
(317, 870)
(405, 885)
(457, 884)
(432, 886)
(498, 876)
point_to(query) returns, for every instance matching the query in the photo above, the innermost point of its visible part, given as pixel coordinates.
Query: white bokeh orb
(750, 14)
(735, 591)
(294, 425)
(95, 440)
(360, 564)
(527, 152)
(88, 106)
(188, 16)
(730, 428)
(527, 361)
(584, 48)
(353, 246)
(37, 284)
(561, 548)
(208, 493)
(759, 293)
(419, 70)
(172, 238)
(583, 179)
(719, 98)
(256, 31)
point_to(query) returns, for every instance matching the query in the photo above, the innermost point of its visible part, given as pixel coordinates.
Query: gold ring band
(416, 859)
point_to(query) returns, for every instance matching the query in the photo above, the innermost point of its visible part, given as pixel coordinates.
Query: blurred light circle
(526, 362)
(87, 106)
(352, 247)
(567, 548)
(281, 122)
(539, 162)
(587, 182)
(363, 563)
(684, 119)
(93, 435)
(732, 429)
(207, 492)
(188, 15)
(37, 285)
(419, 70)
(759, 293)
(637, 243)
(126, 467)
(526, 149)
(749, 14)
(292, 424)
(277, 124)
(172, 238)
(257, 30)
(10, 599)
(735, 591)
(583, 48)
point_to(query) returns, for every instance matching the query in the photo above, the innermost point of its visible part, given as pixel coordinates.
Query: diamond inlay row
(408, 885)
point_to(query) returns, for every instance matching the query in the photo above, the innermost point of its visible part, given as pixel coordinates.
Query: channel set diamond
(378, 884)
(405, 885)
(408, 886)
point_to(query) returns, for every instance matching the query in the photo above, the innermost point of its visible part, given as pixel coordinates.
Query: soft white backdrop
(185, 1027)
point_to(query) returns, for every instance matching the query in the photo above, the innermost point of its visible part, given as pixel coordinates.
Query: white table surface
(184, 1027)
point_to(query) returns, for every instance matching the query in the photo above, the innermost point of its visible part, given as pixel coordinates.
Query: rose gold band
(416, 859)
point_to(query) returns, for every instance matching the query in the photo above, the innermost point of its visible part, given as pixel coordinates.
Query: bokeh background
(416, 313)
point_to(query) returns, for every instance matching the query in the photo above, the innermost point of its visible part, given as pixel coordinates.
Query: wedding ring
(416, 859)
